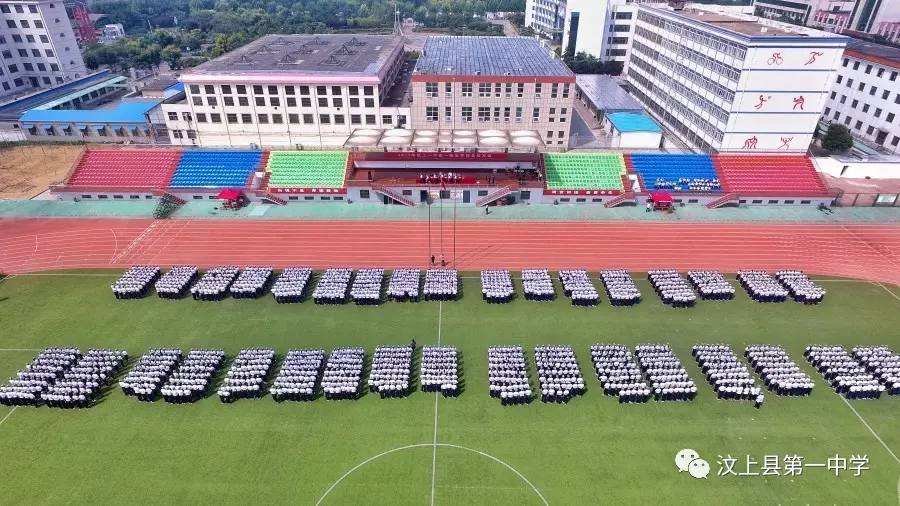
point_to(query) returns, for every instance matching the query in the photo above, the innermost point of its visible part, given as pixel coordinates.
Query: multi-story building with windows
(37, 47)
(731, 82)
(492, 83)
(546, 17)
(601, 28)
(877, 17)
(866, 95)
(291, 90)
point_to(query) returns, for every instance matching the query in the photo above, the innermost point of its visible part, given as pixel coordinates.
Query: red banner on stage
(441, 155)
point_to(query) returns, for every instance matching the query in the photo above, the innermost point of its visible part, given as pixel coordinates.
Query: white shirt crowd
(537, 285)
(845, 374)
(558, 373)
(508, 376)
(711, 285)
(619, 374)
(668, 378)
(43, 371)
(343, 373)
(441, 284)
(366, 288)
(761, 286)
(779, 373)
(391, 369)
(577, 286)
(191, 380)
(672, 288)
(291, 285)
(251, 283)
(620, 288)
(247, 376)
(332, 286)
(301, 372)
(496, 286)
(801, 288)
(882, 363)
(136, 282)
(404, 285)
(149, 374)
(440, 370)
(174, 284)
(214, 283)
(729, 378)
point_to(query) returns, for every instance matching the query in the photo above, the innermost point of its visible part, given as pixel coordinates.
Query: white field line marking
(70, 274)
(20, 349)
(888, 290)
(119, 255)
(13, 410)
(425, 445)
(861, 419)
(434, 442)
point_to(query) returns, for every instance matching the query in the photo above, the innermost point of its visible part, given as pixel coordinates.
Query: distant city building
(496, 83)
(38, 48)
(730, 82)
(546, 17)
(601, 28)
(877, 17)
(866, 95)
(112, 33)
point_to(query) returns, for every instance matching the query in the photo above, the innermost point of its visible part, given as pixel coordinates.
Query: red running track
(853, 250)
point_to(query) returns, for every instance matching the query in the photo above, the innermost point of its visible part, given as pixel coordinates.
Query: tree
(837, 138)
(171, 55)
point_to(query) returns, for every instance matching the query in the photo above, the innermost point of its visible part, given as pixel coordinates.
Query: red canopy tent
(661, 200)
(229, 194)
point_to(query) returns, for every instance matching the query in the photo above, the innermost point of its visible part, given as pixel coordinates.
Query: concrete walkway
(519, 212)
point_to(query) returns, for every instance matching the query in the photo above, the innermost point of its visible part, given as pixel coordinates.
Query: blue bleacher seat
(677, 172)
(215, 169)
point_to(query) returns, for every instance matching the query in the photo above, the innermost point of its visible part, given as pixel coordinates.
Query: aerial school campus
(357, 276)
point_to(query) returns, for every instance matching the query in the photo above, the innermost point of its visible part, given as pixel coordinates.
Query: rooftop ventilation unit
(355, 42)
(333, 61)
(346, 51)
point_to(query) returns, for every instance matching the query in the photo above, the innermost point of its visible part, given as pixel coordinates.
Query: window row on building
(696, 35)
(859, 126)
(701, 81)
(689, 95)
(276, 101)
(879, 71)
(294, 119)
(497, 90)
(487, 114)
(257, 89)
(687, 53)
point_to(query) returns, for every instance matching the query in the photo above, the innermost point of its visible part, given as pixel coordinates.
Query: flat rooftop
(324, 54)
(886, 55)
(489, 56)
(12, 110)
(130, 111)
(605, 93)
(746, 25)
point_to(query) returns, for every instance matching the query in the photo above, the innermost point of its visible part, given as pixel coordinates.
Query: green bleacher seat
(307, 169)
(584, 171)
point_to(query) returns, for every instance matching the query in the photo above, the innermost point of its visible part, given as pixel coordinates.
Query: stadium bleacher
(783, 174)
(125, 168)
(587, 171)
(297, 169)
(679, 173)
(215, 169)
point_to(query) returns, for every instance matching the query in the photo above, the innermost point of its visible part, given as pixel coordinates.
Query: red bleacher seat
(781, 174)
(131, 168)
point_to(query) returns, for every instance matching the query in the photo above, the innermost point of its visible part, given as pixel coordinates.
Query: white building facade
(866, 95)
(38, 48)
(290, 91)
(877, 17)
(601, 28)
(727, 83)
(546, 16)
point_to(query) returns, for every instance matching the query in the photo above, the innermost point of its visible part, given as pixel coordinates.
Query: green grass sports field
(426, 449)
